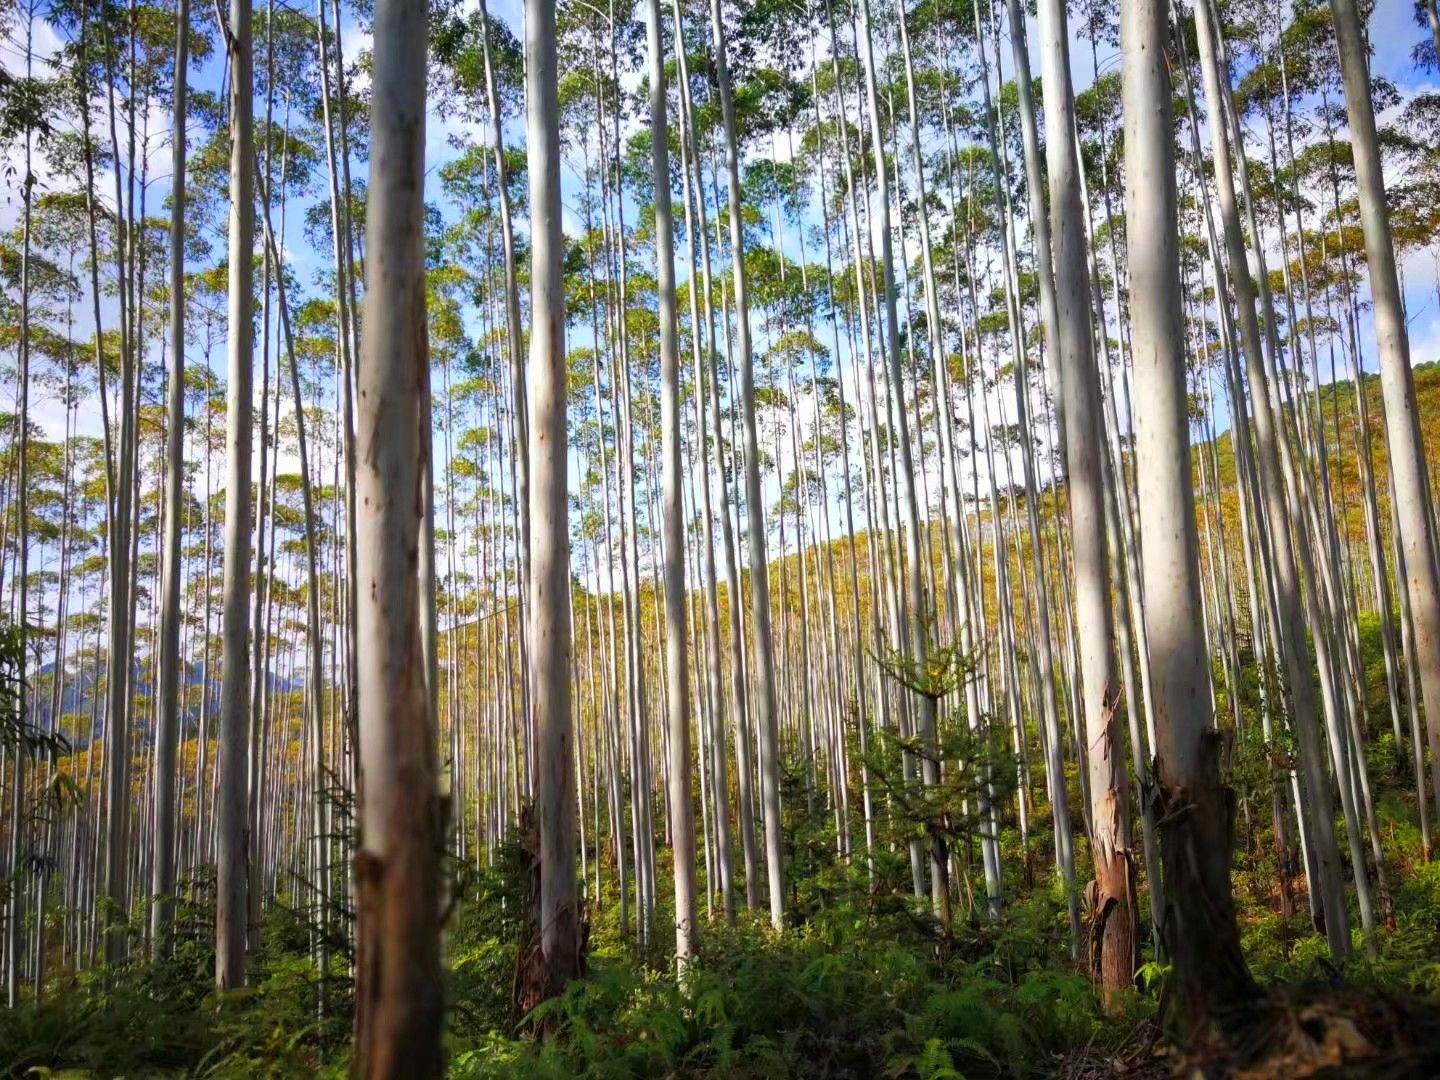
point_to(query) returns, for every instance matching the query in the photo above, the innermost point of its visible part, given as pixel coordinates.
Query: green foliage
(862, 983)
(164, 1019)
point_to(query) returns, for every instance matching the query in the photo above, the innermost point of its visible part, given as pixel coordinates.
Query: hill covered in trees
(783, 538)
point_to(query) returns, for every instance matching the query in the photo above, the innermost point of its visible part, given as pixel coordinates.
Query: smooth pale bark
(162, 870)
(232, 821)
(764, 648)
(696, 228)
(1196, 827)
(345, 347)
(1114, 946)
(858, 662)
(1039, 219)
(682, 807)
(314, 637)
(1046, 670)
(739, 685)
(17, 886)
(514, 331)
(1293, 569)
(1397, 382)
(549, 623)
(915, 613)
(399, 999)
(263, 578)
(119, 509)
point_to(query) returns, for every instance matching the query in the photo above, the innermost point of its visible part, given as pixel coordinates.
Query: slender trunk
(1397, 383)
(1202, 935)
(549, 615)
(162, 871)
(399, 1002)
(682, 809)
(1113, 940)
(768, 731)
(233, 832)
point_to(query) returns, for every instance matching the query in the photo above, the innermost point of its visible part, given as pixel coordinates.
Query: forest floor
(860, 986)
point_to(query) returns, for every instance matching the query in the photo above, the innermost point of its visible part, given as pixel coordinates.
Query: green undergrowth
(862, 983)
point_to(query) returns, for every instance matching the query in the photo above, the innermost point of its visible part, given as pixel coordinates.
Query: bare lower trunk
(233, 841)
(399, 1003)
(682, 809)
(162, 870)
(1397, 383)
(765, 719)
(1196, 810)
(549, 615)
(1113, 942)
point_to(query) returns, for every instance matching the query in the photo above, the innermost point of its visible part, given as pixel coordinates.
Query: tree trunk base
(1321, 1030)
(538, 977)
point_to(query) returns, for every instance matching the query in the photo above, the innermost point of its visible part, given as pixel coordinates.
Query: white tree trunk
(1397, 383)
(162, 870)
(765, 720)
(1201, 932)
(233, 838)
(549, 616)
(399, 1000)
(1114, 945)
(682, 807)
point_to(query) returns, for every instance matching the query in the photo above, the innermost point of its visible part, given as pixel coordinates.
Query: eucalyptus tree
(762, 644)
(1115, 948)
(232, 831)
(702, 337)
(23, 115)
(1294, 575)
(915, 614)
(1409, 474)
(682, 808)
(399, 1004)
(1201, 931)
(549, 630)
(162, 874)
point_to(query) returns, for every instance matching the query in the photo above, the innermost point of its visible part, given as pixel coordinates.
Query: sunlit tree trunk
(549, 626)
(1292, 563)
(19, 751)
(233, 839)
(1196, 831)
(162, 875)
(314, 637)
(765, 714)
(1397, 383)
(1113, 941)
(702, 348)
(682, 809)
(399, 999)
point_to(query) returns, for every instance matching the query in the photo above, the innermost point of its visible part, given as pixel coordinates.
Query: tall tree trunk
(1397, 383)
(1293, 566)
(314, 636)
(512, 324)
(232, 809)
(915, 612)
(549, 616)
(682, 807)
(1196, 809)
(20, 751)
(702, 348)
(1113, 938)
(765, 718)
(399, 999)
(162, 870)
